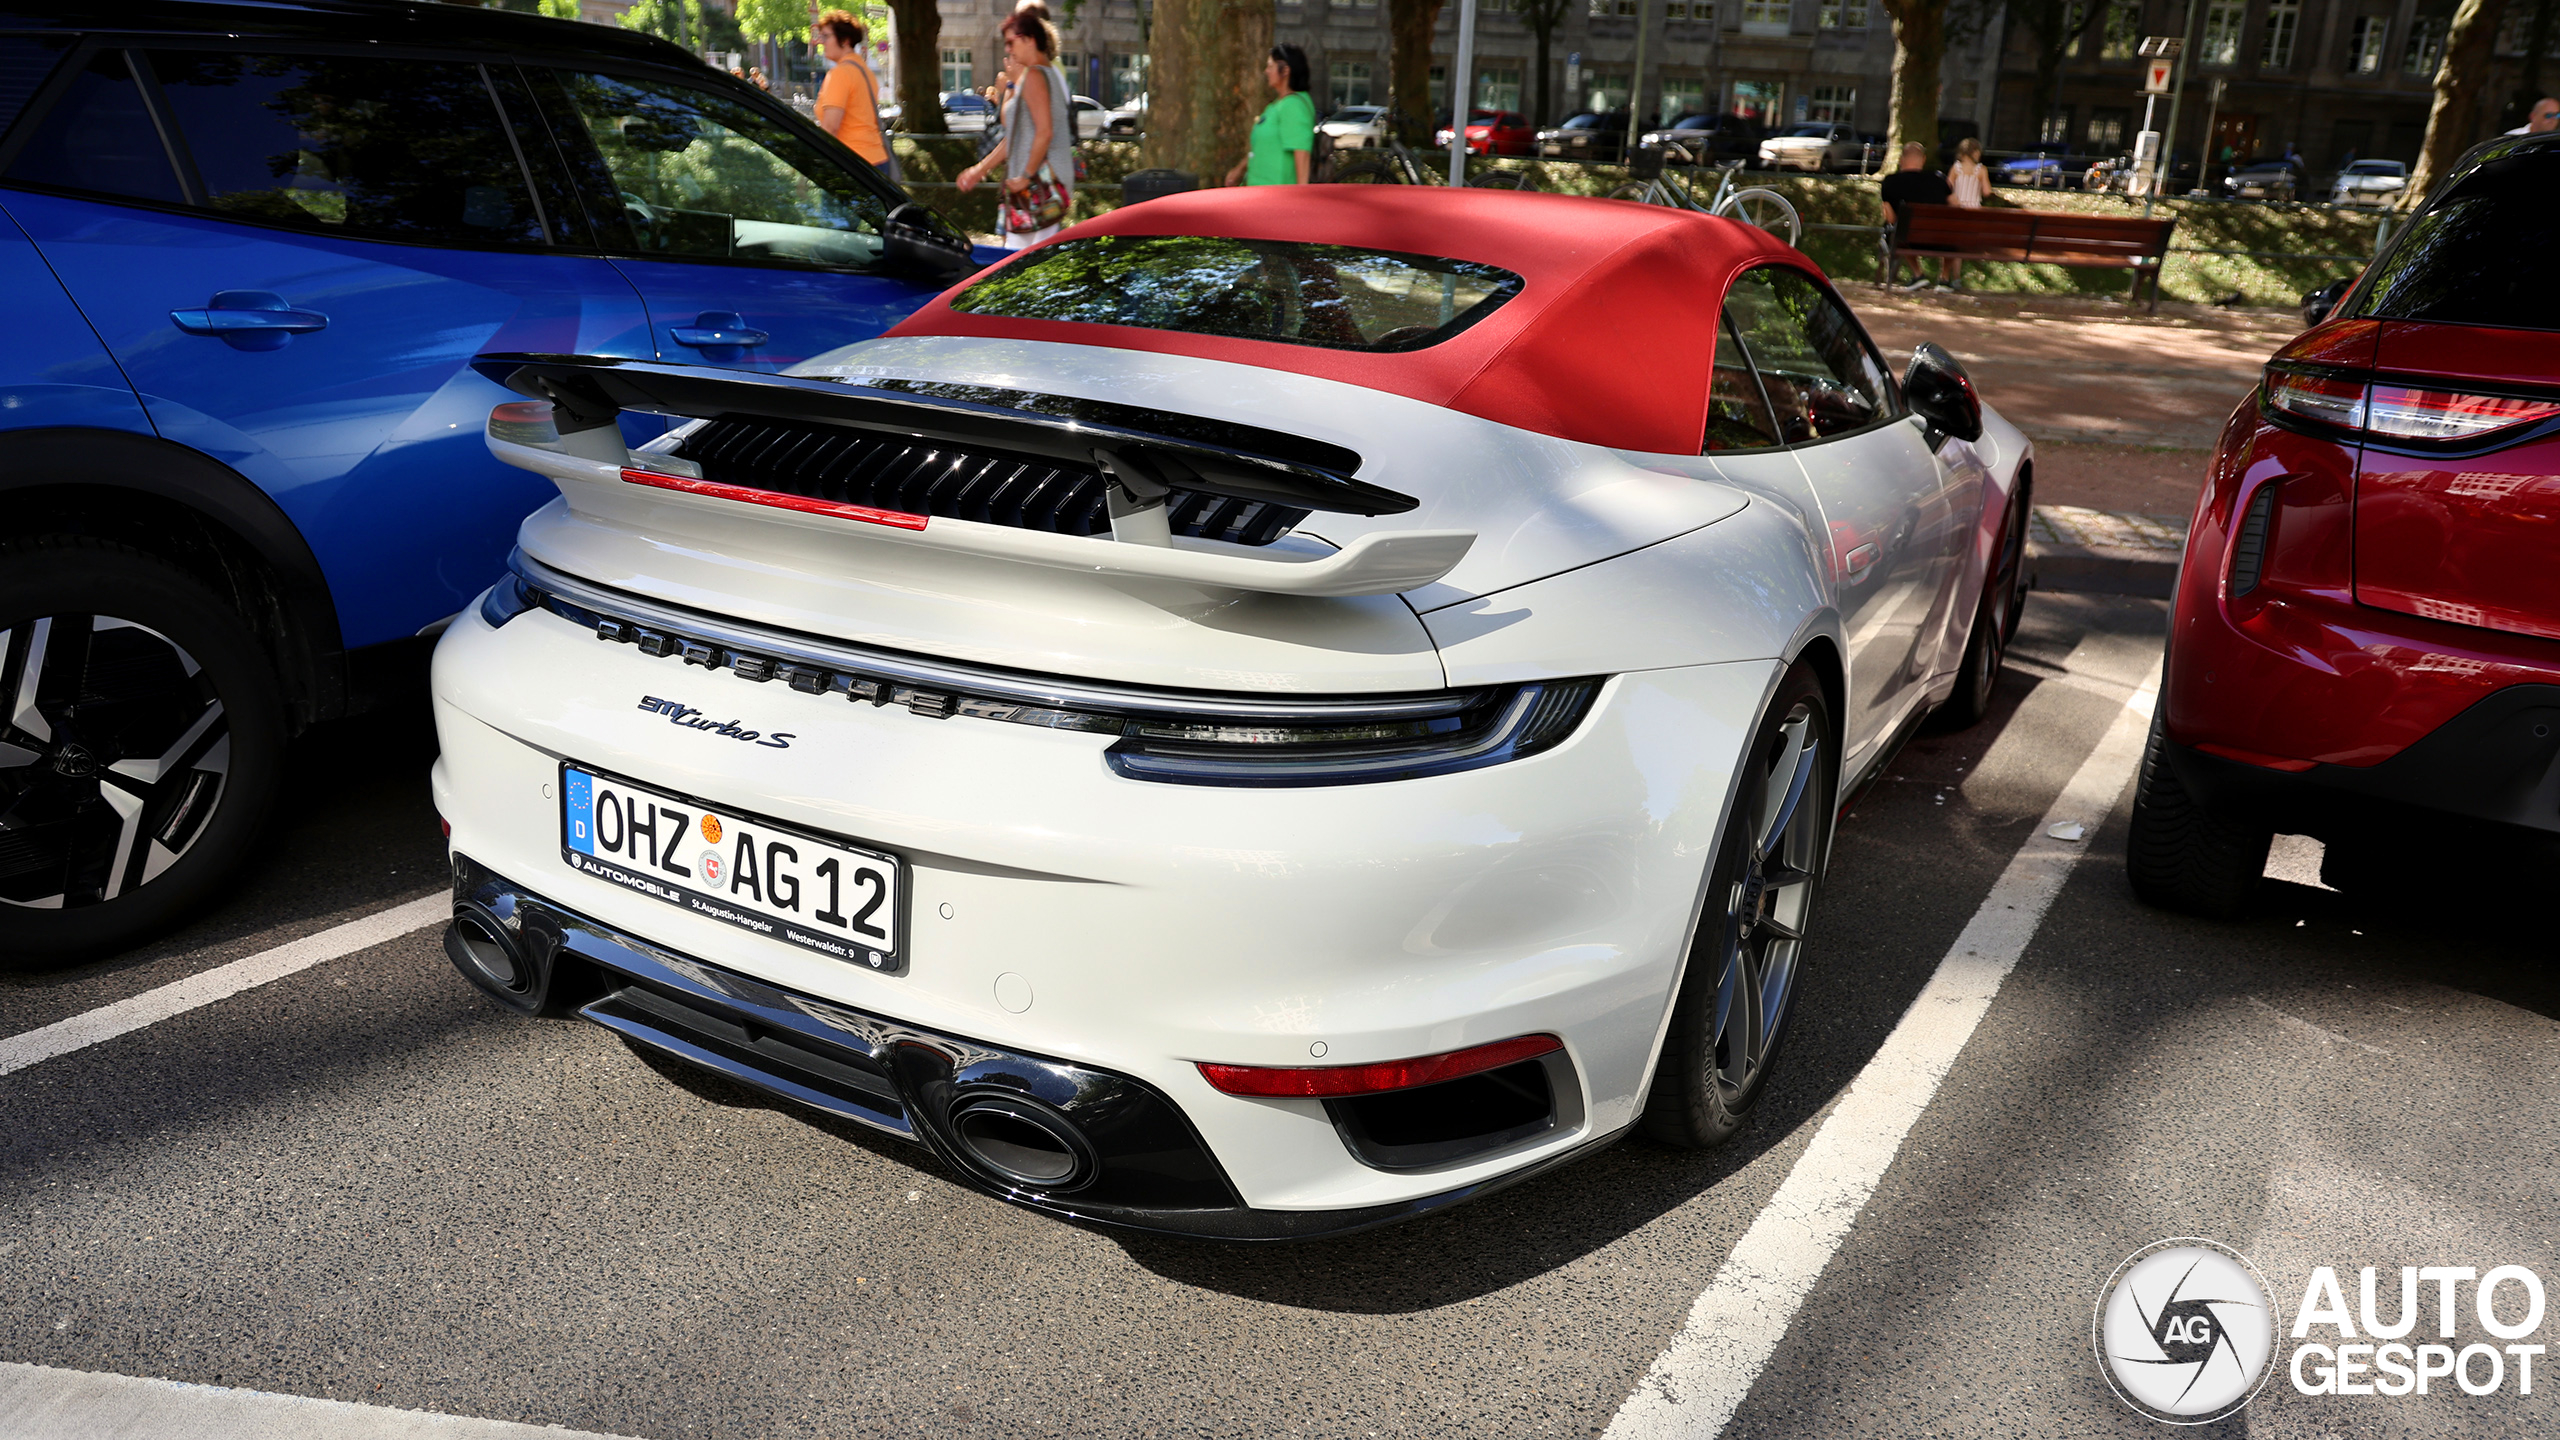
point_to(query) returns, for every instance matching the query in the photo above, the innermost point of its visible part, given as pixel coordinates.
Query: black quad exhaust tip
(480, 945)
(1022, 1142)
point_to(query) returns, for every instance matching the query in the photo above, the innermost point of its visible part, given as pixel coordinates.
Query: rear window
(2483, 254)
(1336, 296)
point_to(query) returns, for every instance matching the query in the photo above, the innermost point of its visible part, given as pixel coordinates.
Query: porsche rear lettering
(679, 713)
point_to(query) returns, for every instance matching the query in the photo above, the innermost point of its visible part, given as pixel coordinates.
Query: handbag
(1041, 204)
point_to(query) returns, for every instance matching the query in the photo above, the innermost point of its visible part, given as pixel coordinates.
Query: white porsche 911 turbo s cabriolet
(1270, 713)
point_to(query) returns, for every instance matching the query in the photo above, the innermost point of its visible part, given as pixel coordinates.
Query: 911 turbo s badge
(679, 713)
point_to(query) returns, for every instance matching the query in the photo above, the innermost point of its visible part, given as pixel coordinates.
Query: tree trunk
(1204, 82)
(2451, 121)
(1409, 27)
(1546, 111)
(1919, 44)
(919, 65)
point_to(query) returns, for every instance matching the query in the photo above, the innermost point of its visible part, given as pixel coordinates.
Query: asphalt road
(365, 1183)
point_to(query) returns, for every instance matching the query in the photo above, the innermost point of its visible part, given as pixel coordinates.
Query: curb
(2103, 552)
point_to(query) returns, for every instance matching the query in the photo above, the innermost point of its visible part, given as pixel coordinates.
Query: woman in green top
(1284, 139)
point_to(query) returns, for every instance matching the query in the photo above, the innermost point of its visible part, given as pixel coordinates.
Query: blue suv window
(99, 138)
(24, 62)
(388, 149)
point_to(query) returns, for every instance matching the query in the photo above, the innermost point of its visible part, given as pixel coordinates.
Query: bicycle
(1655, 184)
(1401, 166)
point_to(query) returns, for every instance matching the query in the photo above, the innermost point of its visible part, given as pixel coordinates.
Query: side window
(391, 149)
(99, 138)
(1737, 413)
(699, 176)
(1821, 376)
(24, 62)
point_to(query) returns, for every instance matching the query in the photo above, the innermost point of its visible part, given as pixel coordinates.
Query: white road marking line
(178, 997)
(1702, 1376)
(41, 1403)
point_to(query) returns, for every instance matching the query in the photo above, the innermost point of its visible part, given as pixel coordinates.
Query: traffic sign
(2165, 47)
(2155, 77)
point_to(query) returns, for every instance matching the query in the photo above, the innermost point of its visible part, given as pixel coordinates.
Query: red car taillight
(2393, 411)
(1335, 1082)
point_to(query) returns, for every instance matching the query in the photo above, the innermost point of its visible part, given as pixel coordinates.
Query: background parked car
(1817, 147)
(2046, 165)
(1089, 116)
(244, 468)
(2370, 182)
(1355, 127)
(1590, 135)
(1710, 139)
(1129, 120)
(1495, 132)
(2261, 180)
(966, 112)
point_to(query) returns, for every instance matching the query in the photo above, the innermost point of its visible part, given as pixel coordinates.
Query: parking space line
(38, 1402)
(178, 997)
(1736, 1324)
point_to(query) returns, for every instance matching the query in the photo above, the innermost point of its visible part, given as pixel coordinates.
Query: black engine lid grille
(918, 477)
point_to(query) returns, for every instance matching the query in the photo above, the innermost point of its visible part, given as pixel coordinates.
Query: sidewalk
(2125, 409)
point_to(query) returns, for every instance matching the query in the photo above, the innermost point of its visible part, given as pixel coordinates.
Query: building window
(1683, 95)
(1439, 89)
(2425, 47)
(2057, 127)
(1759, 100)
(1842, 15)
(2124, 31)
(2284, 18)
(1498, 89)
(957, 71)
(1348, 83)
(1604, 93)
(2364, 47)
(2106, 130)
(2222, 32)
(1767, 17)
(1128, 78)
(1832, 104)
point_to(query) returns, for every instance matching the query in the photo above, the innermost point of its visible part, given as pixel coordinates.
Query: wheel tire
(1727, 1025)
(1995, 621)
(1367, 172)
(124, 694)
(2179, 856)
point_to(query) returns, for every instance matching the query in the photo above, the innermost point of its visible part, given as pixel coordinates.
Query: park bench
(2040, 237)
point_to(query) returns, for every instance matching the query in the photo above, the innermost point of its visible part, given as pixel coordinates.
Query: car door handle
(250, 320)
(1857, 562)
(714, 331)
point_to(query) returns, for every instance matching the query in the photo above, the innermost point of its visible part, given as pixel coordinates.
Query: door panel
(751, 246)
(344, 234)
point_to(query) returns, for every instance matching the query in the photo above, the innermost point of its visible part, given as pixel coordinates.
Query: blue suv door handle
(250, 320)
(718, 334)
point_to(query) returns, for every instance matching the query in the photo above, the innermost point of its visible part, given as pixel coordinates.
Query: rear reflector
(1322, 1082)
(2285, 763)
(2317, 398)
(897, 519)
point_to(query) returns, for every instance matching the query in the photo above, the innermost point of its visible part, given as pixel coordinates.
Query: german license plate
(775, 880)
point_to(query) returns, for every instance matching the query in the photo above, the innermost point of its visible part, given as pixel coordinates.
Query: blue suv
(251, 249)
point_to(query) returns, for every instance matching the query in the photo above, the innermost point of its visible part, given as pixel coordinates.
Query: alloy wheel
(1766, 909)
(115, 753)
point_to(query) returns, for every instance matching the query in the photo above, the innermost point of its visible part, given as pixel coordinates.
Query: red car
(1495, 132)
(2365, 641)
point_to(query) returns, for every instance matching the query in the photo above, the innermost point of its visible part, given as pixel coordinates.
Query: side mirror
(920, 242)
(2317, 305)
(1941, 393)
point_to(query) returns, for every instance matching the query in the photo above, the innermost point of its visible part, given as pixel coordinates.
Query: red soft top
(1610, 340)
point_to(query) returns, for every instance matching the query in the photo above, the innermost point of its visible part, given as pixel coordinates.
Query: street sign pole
(2177, 95)
(1460, 102)
(1635, 86)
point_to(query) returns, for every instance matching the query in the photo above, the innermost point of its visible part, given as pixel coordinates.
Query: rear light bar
(896, 519)
(2391, 411)
(1337, 1082)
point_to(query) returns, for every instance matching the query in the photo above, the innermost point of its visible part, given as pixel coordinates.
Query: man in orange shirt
(849, 100)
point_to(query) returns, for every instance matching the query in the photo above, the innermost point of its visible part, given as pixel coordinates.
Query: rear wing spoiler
(586, 393)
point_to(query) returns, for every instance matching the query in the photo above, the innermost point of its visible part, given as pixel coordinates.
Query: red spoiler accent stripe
(896, 519)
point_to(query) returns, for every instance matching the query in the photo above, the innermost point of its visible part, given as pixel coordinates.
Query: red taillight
(2407, 412)
(897, 519)
(1322, 1082)
(2399, 412)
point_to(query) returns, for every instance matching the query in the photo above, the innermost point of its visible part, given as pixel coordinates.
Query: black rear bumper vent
(2249, 547)
(928, 477)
